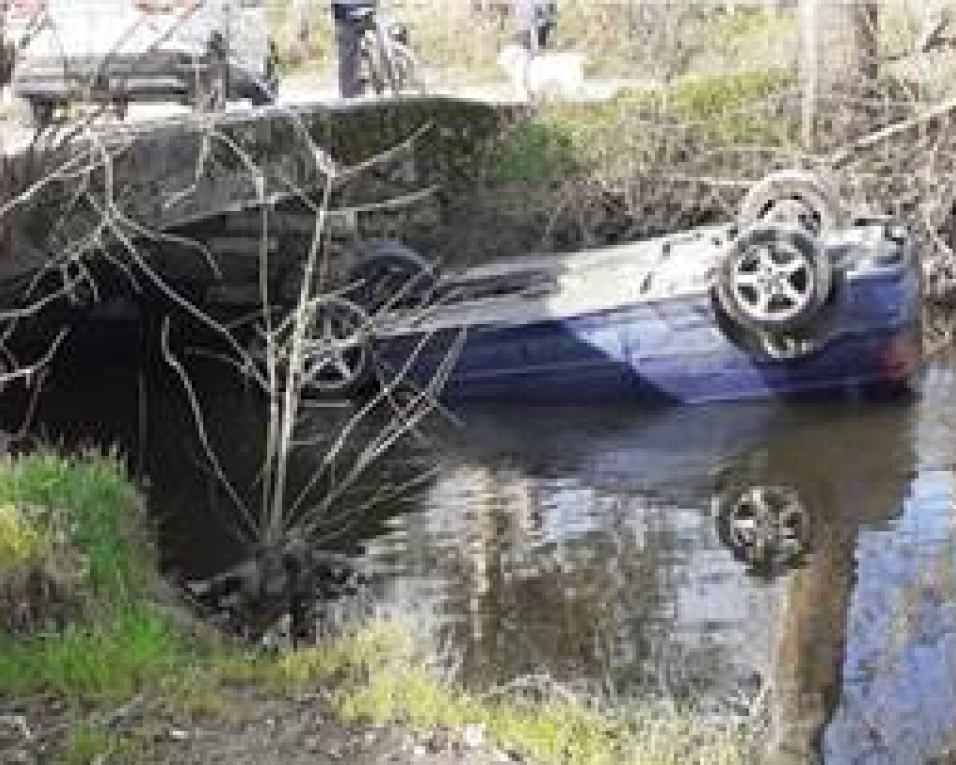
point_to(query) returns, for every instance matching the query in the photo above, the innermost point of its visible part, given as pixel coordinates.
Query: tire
(774, 279)
(386, 274)
(375, 73)
(406, 68)
(768, 526)
(796, 198)
(338, 363)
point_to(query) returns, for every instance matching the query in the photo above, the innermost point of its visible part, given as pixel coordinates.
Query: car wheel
(774, 279)
(406, 68)
(337, 353)
(375, 73)
(386, 274)
(766, 526)
(795, 198)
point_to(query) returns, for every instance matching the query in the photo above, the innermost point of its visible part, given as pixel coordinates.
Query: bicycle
(388, 61)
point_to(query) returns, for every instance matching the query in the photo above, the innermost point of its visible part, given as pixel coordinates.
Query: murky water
(703, 552)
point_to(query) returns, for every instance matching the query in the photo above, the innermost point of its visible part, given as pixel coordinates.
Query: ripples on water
(607, 547)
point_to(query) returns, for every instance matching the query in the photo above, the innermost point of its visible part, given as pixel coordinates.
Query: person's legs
(348, 38)
(544, 34)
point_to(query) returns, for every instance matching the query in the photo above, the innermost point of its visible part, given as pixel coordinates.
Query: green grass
(23, 543)
(383, 676)
(93, 498)
(572, 140)
(78, 520)
(107, 660)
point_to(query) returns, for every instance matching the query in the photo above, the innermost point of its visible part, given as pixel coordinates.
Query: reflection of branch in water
(251, 525)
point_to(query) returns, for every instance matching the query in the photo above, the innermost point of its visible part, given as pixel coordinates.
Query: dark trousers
(544, 34)
(348, 43)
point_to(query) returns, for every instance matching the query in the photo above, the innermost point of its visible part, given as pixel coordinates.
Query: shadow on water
(705, 554)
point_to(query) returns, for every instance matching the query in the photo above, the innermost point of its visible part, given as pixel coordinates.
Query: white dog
(533, 76)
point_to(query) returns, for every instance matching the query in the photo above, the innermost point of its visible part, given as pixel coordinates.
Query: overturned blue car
(794, 297)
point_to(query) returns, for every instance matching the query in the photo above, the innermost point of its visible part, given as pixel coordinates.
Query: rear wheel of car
(774, 279)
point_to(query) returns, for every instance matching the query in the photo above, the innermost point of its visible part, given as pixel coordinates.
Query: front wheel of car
(337, 351)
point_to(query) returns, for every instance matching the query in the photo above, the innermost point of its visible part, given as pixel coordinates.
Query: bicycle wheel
(406, 68)
(374, 73)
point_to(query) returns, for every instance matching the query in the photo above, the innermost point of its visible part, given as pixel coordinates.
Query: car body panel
(641, 322)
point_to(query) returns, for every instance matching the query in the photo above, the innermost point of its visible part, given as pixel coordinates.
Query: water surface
(608, 547)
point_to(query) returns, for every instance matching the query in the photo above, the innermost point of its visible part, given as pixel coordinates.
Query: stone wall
(401, 159)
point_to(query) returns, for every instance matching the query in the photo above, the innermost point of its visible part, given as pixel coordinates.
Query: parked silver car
(199, 52)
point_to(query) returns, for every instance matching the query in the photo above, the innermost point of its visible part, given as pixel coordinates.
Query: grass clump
(22, 542)
(75, 579)
(383, 676)
(90, 499)
(103, 660)
(612, 138)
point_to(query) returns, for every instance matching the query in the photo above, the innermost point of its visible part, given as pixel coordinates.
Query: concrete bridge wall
(109, 186)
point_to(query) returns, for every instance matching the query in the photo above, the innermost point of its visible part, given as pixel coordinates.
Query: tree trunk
(838, 68)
